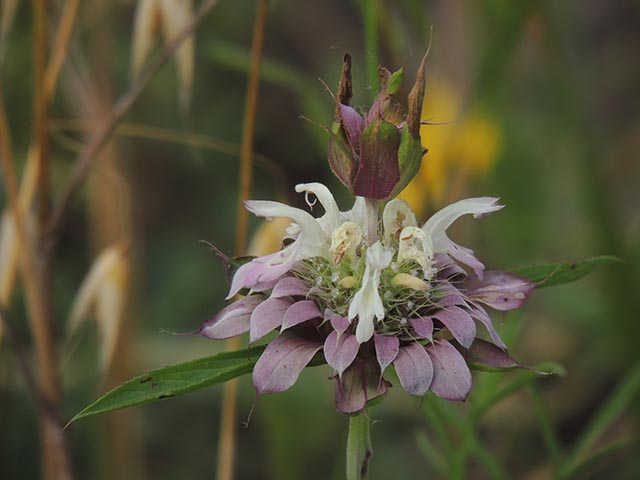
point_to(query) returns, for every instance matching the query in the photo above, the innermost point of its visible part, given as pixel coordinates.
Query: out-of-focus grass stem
(193, 140)
(53, 440)
(102, 135)
(59, 50)
(370, 19)
(55, 457)
(226, 447)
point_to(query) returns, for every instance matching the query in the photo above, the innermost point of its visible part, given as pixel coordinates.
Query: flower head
(404, 299)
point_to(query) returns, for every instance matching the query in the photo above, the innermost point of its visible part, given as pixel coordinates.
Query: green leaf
(175, 380)
(550, 275)
(607, 414)
(519, 381)
(603, 455)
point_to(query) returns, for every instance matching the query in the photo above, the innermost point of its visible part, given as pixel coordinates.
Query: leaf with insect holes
(178, 380)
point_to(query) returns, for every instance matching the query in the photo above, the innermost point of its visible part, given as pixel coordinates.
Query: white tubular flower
(436, 228)
(366, 303)
(312, 236)
(397, 215)
(344, 241)
(416, 245)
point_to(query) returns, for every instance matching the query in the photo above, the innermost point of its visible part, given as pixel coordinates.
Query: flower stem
(359, 450)
(372, 220)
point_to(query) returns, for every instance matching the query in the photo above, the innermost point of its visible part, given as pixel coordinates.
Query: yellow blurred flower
(467, 146)
(268, 237)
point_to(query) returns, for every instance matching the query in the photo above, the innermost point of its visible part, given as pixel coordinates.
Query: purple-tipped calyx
(374, 156)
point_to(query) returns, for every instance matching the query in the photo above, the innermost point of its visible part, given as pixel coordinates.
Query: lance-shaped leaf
(553, 274)
(378, 170)
(175, 380)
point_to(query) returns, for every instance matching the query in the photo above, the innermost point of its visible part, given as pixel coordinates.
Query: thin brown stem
(226, 450)
(55, 457)
(195, 140)
(102, 135)
(23, 364)
(40, 106)
(52, 439)
(59, 50)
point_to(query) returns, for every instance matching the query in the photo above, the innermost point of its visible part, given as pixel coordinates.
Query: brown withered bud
(345, 89)
(415, 99)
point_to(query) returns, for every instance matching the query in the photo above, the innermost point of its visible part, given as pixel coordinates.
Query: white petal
(397, 215)
(366, 303)
(313, 241)
(378, 256)
(332, 214)
(438, 224)
(358, 213)
(364, 330)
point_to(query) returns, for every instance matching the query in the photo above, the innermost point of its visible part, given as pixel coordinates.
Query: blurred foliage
(556, 80)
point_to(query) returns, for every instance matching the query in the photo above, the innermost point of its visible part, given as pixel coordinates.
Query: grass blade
(608, 413)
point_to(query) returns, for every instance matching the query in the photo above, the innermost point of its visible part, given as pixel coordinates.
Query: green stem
(359, 450)
(370, 19)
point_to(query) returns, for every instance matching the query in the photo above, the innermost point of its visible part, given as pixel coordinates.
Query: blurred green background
(554, 85)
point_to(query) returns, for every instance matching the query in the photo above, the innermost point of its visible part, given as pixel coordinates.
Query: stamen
(309, 202)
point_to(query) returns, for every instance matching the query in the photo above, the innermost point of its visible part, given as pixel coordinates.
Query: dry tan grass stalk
(59, 49)
(226, 450)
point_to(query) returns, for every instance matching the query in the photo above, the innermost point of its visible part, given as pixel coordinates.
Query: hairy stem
(359, 449)
(372, 220)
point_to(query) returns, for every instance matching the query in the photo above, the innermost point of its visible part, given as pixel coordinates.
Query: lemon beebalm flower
(400, 297)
